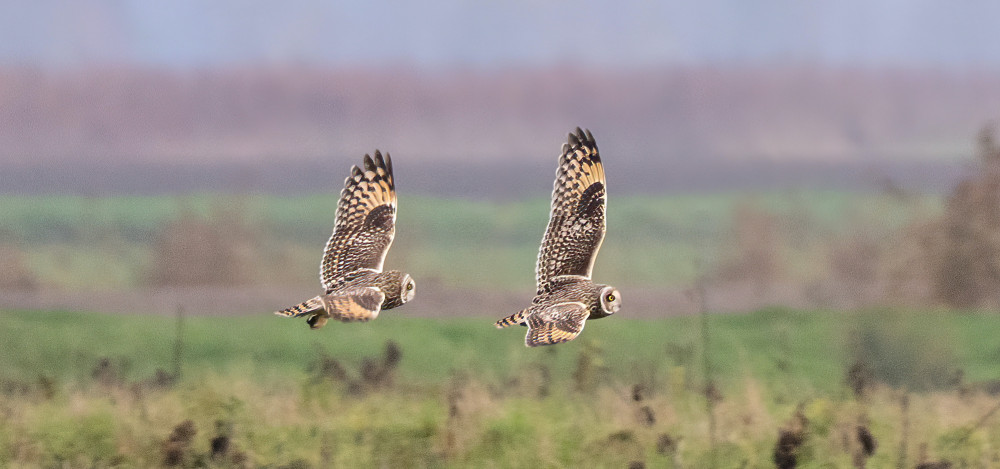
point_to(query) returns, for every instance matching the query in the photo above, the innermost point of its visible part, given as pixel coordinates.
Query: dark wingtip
(369, 163)
(584, 136)
(580, 137)
(572, 140)
(356, 171)
(388, 163)
(383, 161)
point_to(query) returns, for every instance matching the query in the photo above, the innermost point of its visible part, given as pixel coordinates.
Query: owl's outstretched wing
(366, 222)
(558, 323)
(576, 224)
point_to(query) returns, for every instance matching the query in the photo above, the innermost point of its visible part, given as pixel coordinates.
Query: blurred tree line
(965, 254)
(948, 257)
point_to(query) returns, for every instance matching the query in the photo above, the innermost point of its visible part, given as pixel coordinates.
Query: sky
(499, 33)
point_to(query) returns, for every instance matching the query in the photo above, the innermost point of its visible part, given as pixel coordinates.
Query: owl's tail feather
(514, 319)
(302, 309)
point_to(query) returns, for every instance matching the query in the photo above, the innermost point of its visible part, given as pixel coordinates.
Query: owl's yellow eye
(409, 286)
(610, 297)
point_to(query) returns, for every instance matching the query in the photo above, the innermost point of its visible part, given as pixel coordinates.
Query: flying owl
(356, 288)
(566, 296)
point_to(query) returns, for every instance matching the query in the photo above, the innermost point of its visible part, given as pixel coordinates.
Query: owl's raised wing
(576, 224)
(366, 222)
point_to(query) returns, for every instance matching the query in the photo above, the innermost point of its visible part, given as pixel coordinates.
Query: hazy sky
(487, 33)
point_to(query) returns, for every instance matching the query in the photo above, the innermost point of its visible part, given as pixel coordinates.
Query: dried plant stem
(982, 421)
(904, 407)
(179, 344)
(709, 390)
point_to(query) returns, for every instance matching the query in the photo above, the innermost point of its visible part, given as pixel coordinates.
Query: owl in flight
(355, 287)
(566, 296)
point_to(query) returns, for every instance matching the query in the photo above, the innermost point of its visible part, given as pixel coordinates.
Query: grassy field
(97, 390)
(107, 243)
(83, 390)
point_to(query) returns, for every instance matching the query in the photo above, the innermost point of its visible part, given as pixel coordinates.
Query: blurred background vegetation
(803, 222)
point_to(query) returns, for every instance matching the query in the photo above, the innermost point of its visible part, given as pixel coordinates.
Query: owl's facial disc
(409, 288)
(611, 300)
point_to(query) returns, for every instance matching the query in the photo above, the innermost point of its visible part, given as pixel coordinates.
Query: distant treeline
(736, 113)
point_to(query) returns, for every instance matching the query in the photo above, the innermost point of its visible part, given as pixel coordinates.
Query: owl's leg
(317, 321)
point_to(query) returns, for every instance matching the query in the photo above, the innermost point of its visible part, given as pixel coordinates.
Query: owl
(356, 288)
(566, 296)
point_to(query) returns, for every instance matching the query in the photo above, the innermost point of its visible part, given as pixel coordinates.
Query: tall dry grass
(335, 416)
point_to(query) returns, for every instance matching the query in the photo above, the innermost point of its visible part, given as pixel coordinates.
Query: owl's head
(610, 300)
(408, 288)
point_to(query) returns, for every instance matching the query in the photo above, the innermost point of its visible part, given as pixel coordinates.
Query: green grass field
(463, 394)
(106, 243)
(99, 390)
(807, 351)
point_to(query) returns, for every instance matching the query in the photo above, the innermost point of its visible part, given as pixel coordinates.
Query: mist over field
(803, 224)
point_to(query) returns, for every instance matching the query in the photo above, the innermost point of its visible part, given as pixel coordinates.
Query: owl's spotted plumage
(566, 297)
(356, 289)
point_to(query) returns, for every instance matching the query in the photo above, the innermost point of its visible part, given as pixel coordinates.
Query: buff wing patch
(362, 304)
(558, 323)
